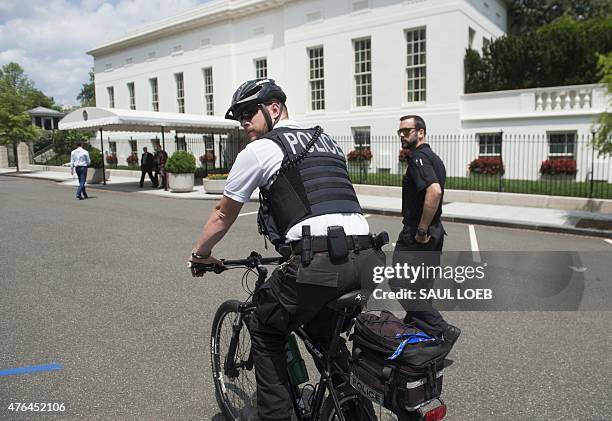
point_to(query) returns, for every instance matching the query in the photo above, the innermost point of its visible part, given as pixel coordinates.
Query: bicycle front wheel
(234, 375)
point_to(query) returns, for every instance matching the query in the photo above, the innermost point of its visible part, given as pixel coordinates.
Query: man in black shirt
(422, 236)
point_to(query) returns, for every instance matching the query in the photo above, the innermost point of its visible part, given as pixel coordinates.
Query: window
(181, 144)
(471, 36)
(133, 146)
(361, 136)
(415, 65)
(485, 43)
(38, 122)
(155, 143)
(112, 146)
(363, 72)
(261, 68)
(317, 83)
(48, 123)
(561, 145)
(180, 92)
(208, 91)
(132, 95)
(111, 96)
(154, 94)
(489, 144)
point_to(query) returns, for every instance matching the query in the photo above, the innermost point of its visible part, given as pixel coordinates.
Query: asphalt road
(101, 287)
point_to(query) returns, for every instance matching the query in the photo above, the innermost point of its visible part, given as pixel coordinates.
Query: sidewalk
(551, 220)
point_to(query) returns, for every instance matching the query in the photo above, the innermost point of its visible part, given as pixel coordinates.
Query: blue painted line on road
(31, 369)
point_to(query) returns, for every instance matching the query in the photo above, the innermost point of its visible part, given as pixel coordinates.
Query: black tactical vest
(318, 185)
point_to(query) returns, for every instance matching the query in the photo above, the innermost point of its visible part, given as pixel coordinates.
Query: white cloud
(49, 38)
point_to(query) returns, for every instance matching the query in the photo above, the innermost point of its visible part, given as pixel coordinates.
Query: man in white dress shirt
(79, 161)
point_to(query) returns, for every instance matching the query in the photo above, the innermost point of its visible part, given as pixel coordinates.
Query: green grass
(551, 187)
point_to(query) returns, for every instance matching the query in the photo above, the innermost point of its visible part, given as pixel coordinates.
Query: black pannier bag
(406, 382)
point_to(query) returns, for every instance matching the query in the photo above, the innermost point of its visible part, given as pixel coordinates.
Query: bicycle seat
(350, 301)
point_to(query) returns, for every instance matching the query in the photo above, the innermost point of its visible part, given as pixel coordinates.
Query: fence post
(501, 160)
(592, 165)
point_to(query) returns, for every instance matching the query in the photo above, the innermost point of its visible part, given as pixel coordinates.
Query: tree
(528, 15)
(602, 140)
(87, 96)
(15, 123)
(557, 54)
(17, 95)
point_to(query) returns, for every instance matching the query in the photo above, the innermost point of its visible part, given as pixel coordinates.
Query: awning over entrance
(113, 119)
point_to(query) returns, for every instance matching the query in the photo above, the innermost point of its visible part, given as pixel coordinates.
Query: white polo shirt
(257, 163)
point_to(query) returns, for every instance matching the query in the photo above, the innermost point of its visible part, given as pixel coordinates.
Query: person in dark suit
(146, 167)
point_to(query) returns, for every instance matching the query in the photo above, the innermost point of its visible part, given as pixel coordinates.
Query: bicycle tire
(354, 406)
(235, 394)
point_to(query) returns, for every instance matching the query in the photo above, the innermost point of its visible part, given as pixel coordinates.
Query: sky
(49, 38)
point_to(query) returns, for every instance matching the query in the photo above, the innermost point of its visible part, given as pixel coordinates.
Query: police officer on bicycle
(310, 212)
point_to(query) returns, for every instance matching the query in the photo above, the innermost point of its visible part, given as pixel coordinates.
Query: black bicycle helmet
(255, 91)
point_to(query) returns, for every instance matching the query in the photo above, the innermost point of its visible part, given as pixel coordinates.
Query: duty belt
(319, 244)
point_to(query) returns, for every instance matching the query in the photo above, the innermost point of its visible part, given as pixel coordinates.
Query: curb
(507, 224)
(456, 219)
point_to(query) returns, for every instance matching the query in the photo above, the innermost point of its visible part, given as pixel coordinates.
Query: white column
(4, 163)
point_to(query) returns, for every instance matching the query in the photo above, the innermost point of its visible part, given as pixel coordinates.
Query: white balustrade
(563, 100)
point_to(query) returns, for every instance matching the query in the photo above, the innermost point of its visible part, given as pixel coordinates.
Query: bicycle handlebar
(253, 261)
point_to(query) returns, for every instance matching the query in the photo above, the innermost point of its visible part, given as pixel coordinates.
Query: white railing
(557, 99)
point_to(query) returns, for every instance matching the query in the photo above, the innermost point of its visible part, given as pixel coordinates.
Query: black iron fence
(215, 153)
(561, 164)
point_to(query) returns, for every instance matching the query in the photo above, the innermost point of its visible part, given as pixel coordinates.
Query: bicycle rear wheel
(354, 406)
(235, 390)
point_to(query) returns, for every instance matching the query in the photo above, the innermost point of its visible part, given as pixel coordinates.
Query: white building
(352, 66)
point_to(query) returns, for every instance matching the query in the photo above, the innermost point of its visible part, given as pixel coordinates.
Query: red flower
(487, 165)
(404, 155)
(132, 159)
(207, 157)
(360, 154)
(111, 158)
(559, 166)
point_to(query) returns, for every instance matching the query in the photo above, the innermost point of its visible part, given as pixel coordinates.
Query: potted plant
(94, 174)
(359, 162)
(487, 165)
(558, 169)
(111, 159)
(208, 157)
(132, 160)
(403, 157)
(180, 168)
(214, 183)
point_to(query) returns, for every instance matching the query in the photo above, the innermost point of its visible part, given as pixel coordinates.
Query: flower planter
(558, 177)
(213, 186)
(180, 183)
(94, 176)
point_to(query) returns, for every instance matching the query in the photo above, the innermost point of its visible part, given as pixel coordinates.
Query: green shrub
(96, 158)
(181, 162)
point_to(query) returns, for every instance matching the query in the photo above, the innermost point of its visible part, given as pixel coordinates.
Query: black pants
(408, 251)
(148, 171)
(295, 296)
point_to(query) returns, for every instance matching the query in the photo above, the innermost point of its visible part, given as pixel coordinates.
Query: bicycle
(331, 398)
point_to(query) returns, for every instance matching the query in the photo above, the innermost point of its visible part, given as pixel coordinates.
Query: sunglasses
(247, 112)
(405, 131)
